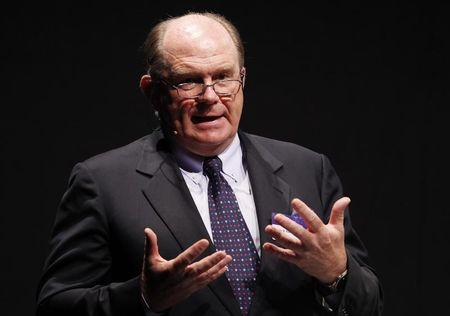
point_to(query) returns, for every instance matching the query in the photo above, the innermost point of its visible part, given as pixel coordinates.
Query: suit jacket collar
(271, 193)
(167, 192)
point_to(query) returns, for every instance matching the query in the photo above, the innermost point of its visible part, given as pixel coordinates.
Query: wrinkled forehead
(197, 36)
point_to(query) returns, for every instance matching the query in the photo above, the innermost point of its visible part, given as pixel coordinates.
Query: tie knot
(212, 166)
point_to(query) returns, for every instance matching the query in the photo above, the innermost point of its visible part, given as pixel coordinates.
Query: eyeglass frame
(205, 86)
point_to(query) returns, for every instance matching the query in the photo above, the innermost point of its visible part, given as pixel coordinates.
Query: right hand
(165, 283)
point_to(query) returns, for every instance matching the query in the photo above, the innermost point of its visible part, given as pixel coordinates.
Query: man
(160, 187)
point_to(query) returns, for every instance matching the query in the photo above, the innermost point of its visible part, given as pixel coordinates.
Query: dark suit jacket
(96, 249)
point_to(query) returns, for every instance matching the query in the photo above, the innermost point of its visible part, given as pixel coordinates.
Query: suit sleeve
(363, 293)
(77, 275)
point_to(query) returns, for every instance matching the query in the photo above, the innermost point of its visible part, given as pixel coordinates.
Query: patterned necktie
(230, 233)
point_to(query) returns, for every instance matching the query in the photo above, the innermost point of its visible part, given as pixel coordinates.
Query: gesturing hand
(318, 250)
(165, 283)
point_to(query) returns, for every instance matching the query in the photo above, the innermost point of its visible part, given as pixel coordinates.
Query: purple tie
(230, 233)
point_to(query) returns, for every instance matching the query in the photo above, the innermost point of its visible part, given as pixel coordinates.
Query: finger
(285, 238)
(151, 243)
(205, 264)
(313, 222)
(285, 254)
(214, 272)
(337, 212)
(293, 228)
(189, 255)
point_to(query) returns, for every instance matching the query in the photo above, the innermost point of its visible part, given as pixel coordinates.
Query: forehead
(197, 42)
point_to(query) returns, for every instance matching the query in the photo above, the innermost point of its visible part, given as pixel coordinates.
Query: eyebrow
(194, 73)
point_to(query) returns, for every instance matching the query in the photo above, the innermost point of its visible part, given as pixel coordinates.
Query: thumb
(151, 244)
(337, 212)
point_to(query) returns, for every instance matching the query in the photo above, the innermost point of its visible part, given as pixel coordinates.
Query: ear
(154, 95)
(146, 85)
(243, 75)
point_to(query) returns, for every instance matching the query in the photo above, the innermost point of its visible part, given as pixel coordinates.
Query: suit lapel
(270, 192)
(169, 196)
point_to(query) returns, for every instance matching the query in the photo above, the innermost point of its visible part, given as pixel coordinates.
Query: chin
(211, 144)
(216, 138)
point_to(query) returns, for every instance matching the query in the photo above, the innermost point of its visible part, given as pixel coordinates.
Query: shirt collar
(232, 163)
(231, 157)
(187, 160)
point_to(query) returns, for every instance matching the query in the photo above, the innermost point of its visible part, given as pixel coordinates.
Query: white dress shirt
(234, 172)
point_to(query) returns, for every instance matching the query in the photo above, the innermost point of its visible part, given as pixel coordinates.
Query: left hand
(318, 250)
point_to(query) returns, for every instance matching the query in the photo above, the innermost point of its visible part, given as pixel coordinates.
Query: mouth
(204, 119)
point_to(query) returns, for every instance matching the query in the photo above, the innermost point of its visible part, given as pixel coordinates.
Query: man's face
(201, 51)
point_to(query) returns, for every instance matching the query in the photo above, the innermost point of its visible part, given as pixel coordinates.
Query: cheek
(170, 115)
(179, 113)
(235, 110)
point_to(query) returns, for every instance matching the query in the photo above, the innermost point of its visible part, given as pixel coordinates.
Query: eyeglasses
(193, 90)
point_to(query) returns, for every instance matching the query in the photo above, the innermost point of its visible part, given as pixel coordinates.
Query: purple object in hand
(295, 217)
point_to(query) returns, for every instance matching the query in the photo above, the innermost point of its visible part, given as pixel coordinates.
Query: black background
(364, 83)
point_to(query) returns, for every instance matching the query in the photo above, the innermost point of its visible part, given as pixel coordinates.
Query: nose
(209, 93)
